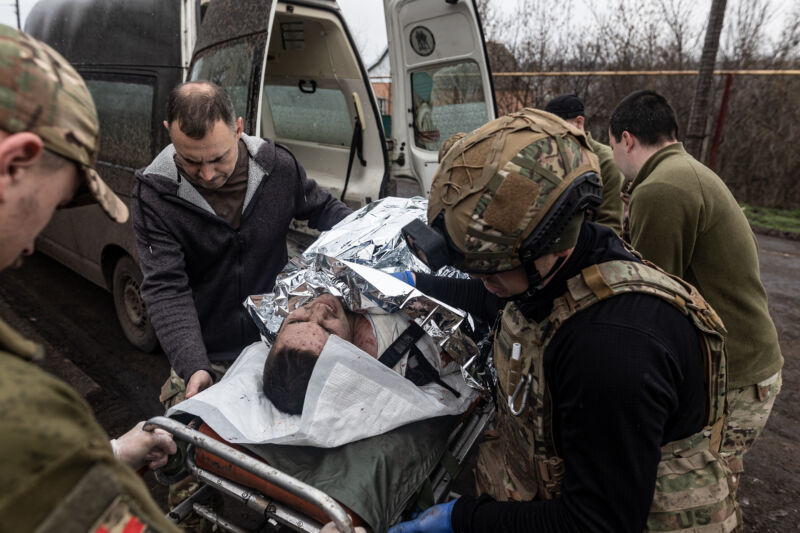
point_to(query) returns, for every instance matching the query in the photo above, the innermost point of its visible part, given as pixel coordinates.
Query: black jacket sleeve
(314, 204)
(621, 388)
(467, 294)
(166, 291)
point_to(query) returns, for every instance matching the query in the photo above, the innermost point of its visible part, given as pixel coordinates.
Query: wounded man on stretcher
(361, 381)
(392, 338)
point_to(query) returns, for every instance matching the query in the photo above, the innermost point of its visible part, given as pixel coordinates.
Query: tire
(131, 311)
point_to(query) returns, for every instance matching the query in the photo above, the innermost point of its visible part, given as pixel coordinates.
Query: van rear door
(231, 51)
(441, 83)
(294, 74)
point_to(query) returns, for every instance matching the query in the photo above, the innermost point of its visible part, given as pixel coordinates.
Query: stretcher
(284, 501)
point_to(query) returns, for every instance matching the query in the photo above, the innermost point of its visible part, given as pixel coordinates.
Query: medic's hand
(199, 381)
(330, 527)
(138, 447)
(406, 276)
(434, 520)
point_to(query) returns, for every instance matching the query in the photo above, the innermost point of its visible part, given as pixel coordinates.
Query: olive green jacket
(610, 211)
(685, 220)
(57, 470)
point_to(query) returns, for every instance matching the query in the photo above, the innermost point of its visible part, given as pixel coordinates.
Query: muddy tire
(131, 311)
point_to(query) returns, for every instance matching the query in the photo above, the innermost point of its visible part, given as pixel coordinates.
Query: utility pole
(696, 130)
(19, 25)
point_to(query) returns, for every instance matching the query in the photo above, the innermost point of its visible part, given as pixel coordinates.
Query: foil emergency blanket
(337, 262)
(351, 396)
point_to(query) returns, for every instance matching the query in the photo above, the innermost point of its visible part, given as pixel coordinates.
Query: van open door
(441, 82)
(231, 51)
(293, 73)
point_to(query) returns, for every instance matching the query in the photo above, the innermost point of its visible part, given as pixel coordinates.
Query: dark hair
(646, 115)
(197, 106)
(286, 376)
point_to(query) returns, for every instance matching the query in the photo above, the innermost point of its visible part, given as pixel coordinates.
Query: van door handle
(304, 88)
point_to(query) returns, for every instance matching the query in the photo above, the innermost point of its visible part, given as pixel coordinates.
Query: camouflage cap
(498, 183)
(41, 93)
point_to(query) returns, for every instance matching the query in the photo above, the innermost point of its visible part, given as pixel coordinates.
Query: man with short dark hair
(684, 219)
(58, 470)
(211, 214)
(610, 213)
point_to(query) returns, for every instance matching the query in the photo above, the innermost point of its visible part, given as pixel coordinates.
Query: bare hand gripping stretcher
(362, 465)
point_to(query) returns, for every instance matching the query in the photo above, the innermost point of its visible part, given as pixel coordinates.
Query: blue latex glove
(434, 520)
(405, 276)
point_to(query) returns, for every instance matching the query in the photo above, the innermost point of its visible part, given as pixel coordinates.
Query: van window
(230, 66)
(446, 100)
(314, 114)
(125, 110)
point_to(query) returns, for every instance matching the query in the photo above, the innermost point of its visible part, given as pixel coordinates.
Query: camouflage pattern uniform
(41, 93)
(495, 186)
(749, 408)
(57, 470)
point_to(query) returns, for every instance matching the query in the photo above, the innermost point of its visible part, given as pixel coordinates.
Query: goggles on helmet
(431, 244)
(434, 247)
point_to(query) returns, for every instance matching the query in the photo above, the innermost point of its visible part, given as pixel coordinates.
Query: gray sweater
(198, 269)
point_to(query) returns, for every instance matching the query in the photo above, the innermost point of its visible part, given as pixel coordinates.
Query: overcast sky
(365, 18)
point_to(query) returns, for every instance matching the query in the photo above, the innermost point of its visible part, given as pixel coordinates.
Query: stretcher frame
(460, 441)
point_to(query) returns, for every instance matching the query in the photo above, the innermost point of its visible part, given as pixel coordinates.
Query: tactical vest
(692, 489)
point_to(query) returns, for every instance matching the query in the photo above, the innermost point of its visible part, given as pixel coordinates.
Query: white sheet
(351, 396)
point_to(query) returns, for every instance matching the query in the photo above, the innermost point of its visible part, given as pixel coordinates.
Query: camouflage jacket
(57, 469)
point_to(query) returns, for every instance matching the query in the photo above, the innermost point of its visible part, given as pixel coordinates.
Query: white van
(293, 73)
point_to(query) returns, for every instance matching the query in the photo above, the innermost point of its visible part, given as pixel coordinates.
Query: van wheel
(131, 311)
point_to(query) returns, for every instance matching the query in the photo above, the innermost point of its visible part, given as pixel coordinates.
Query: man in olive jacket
(570, 108)
(58, 470)
(683, 218)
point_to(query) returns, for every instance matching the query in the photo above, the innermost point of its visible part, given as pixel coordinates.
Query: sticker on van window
(293, 36)
(422, 41)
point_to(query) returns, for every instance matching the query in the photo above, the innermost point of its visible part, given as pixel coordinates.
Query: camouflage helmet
(41, 93)
(514, 190)
(449, 142)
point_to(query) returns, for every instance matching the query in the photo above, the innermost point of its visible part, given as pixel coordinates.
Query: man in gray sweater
(211, 214)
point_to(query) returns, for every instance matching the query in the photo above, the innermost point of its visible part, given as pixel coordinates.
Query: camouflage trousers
(749, 408)
(173, 391)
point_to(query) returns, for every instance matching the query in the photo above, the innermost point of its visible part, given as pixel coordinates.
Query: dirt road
(75, 321)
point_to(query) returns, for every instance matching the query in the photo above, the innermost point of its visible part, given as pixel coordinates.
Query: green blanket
(374, 477)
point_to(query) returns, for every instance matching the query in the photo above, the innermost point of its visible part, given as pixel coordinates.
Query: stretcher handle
(334, 511)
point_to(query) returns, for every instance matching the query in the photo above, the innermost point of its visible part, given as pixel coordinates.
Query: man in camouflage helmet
(683, 218)
(610, 373)
(58, 470)
(570, 108)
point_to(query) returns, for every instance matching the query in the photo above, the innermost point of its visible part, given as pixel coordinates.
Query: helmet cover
(498, 183)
